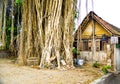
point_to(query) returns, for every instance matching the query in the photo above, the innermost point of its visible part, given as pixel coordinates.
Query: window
(103, 45)
(89, 45)
(85, 44)
(98, 45)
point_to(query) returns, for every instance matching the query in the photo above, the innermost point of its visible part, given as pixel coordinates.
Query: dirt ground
(11, 73)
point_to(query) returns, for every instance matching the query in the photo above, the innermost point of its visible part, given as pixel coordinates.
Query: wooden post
(114, 58)
(93, 39)
(78, 41)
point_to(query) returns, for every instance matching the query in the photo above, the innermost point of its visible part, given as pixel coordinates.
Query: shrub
(96, 65)
(75, 51)
(105, 69)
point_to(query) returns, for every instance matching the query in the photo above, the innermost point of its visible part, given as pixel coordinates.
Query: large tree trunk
(68, 30)
(40, 35)
(52, 34)
(42, 30)
(22, 48)
(29, 34)
(47, 50)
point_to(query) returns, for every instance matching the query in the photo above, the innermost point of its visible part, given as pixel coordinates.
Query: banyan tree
(46, 33)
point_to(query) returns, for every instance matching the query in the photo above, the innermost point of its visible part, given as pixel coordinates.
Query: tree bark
(42, 30)
(4, 26)
(22, 48)
(12, 27)
(29, 35)
(68, 31)
(1, 15)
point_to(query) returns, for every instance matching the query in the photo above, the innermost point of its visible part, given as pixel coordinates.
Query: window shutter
(89, 45)
(81, 46)
(98, 45)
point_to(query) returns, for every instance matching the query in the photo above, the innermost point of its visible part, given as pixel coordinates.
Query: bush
(96, 65)
(75, 51)
(105, 69)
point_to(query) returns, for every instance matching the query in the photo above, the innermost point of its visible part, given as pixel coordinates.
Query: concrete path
(111, 78)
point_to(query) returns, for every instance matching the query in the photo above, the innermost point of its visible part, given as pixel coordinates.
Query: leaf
(18, 1)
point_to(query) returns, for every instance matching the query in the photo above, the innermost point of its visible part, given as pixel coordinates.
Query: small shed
(98, 40)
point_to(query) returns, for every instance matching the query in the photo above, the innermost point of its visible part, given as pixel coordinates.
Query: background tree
(12, 27)
(1, 22)
(4, 25)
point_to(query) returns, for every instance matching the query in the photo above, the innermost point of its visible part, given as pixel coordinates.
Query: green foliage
(96, 65)
(75, 51)
(18, 4)
(8, 31)
(18, 1)
(105, 69)
(76, 14)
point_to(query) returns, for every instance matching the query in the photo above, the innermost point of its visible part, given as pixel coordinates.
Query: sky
(109, 10)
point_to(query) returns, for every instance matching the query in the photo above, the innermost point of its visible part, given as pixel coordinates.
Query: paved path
(113, 79)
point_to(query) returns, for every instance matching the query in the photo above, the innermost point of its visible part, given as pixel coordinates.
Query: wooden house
(98, 40)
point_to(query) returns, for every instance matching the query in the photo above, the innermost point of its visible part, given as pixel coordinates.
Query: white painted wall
(100, 56)
(117, 58)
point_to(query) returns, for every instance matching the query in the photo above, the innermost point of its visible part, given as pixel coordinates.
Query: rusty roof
(109, 27)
